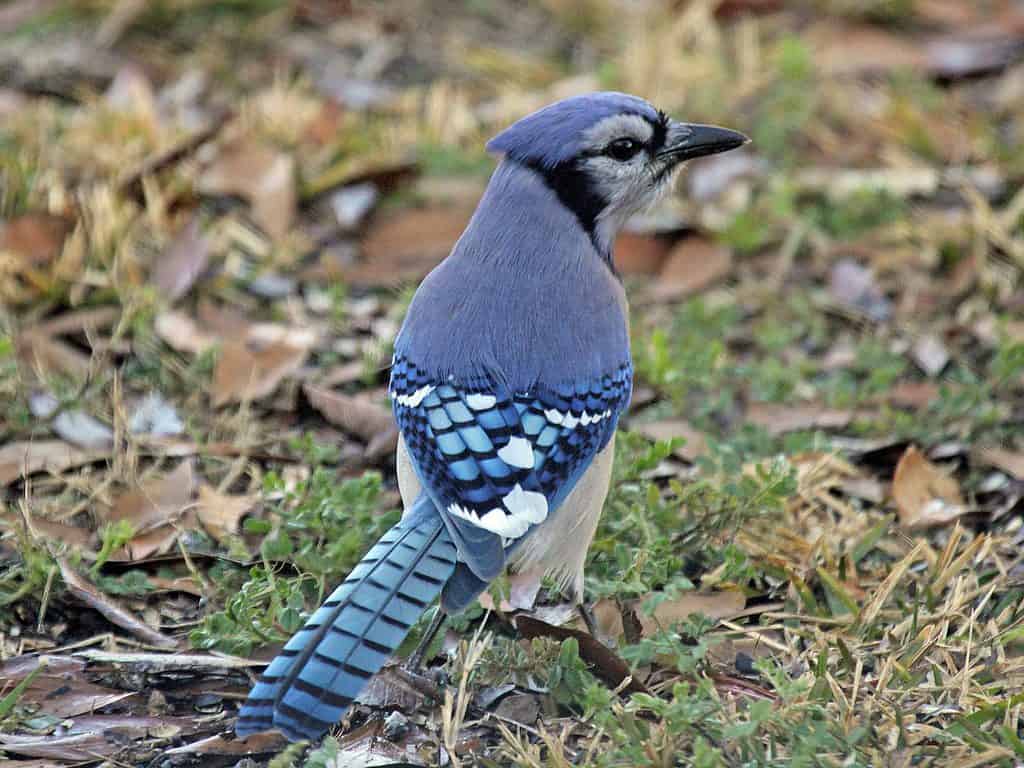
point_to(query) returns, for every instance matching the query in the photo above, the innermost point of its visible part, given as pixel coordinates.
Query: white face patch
(628, 186)
(518, 452)
(480, 402)
(413, 400)
(615, 127)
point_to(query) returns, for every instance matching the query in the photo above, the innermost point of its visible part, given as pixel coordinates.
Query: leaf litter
(208, 227)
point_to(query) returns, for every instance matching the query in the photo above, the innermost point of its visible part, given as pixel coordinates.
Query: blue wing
(495, 462)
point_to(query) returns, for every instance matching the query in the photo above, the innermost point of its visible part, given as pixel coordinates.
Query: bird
(510, 372)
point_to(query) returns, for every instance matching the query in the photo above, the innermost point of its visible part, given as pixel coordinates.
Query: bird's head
(607, 155)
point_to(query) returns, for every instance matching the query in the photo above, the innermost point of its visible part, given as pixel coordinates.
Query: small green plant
(113, 536)
(322, 527)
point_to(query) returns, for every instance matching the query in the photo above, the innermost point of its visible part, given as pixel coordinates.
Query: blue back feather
(523, 271)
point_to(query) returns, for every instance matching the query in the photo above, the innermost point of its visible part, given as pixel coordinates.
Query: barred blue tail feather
(327, 663)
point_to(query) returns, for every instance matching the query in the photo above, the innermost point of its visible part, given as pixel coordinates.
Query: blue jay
(510, 373)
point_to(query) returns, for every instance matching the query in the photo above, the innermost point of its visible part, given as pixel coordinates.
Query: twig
(91, 596)
(131, 182)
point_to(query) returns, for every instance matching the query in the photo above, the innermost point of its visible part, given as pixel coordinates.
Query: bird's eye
(622, 149)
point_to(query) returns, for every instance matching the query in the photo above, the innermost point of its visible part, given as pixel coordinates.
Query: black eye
(622, 149)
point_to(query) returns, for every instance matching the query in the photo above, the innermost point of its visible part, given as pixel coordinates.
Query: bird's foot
(420, 682)
(586, 611)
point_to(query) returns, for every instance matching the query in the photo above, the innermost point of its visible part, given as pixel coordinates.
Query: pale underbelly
(558, 546)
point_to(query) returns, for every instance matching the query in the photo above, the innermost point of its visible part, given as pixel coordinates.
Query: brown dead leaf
(48, 355)
(26, 458)
(859, 49)
(607, 664)
(182, 333)
(693, 264)
(405, 246)
(96, 737)
(263, 176)
(1009, 462)
(925, 496)
(36, 238)
(359, 415)
(220, 513)
(177, 268)
(695, 445)
(637, 254)
(258, 743)
(254, 367)
(721, 604)
(779, 418)
(911, 394)
(854, 49)
(158, 502)
(51, 530)
(60, 688)
(87, 592)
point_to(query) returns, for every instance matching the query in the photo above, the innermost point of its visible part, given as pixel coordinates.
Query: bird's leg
(415, 660)
(586, 612)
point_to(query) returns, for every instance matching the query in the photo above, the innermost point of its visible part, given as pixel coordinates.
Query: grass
(861, 641)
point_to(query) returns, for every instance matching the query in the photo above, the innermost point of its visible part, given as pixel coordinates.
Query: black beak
(685, 141)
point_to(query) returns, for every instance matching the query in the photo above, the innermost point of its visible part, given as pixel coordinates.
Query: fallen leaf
(692, 265)
(709, 179)
(911, 394)
(78, 747)
(182, 333)
(695, 445)
(49, 355)
(853, 286)
(930, 353)
(521, 708)
(155, 417)
(157, 503)
(722, 604)
(924, 495)
(351, 204)
(44, 529)
(359, 415)
(75, 426)
(637, 254)
(972, 52)
(263, 176)
(220, 513)
(96, 737)
(779, 418)
(36, 238)
(859, 49)
(131, 92)
(1000, 458)
(606, 664)
(853, 49)
(254, 367)
(87, 592)
(26, 458)
(256, 744)
(177, 268)
(404, 247)
(59, 689)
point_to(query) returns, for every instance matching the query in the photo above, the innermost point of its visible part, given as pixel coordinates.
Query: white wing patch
(413, 400)
(480, 402)
(517, 453)
(522, 509)
(569, 421)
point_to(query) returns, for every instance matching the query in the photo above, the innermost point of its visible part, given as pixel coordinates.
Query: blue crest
(554, 134)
